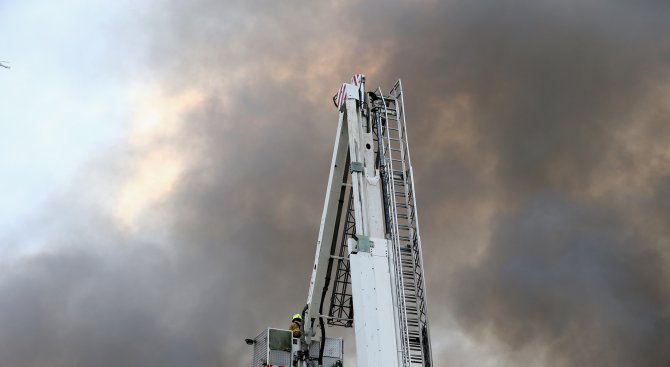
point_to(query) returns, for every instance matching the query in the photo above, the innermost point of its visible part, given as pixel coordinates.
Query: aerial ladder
(368, 269)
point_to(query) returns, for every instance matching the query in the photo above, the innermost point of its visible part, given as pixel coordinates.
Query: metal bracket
(356, 167)
(362, 244)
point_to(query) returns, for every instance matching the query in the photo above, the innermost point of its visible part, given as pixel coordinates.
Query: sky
(164, 166)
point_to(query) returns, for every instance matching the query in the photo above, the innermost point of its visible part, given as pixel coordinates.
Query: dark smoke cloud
(539, 136)
(573, 280)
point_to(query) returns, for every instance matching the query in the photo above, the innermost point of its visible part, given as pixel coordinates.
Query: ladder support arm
(327, 228)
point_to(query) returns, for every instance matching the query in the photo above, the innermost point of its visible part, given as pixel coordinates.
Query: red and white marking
(349, 90)
(357, 80)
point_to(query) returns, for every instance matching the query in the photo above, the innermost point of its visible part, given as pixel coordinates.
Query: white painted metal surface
(376, 332)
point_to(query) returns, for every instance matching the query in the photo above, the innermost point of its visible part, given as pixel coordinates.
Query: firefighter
(295, 326)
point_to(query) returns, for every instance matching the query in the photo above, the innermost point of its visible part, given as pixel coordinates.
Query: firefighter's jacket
(295, 329)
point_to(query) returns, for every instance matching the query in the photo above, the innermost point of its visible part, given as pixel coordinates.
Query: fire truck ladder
(393, 160)
(403, 226)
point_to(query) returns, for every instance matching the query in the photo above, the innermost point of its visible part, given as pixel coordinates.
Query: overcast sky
(164, 166)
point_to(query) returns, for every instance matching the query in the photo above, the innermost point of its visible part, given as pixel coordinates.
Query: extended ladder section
(388, 117)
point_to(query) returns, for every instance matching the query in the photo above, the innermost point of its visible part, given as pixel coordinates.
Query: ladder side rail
(402, 311)
(412, 286)
(428, 357)
(391, 228)
(410, 187)
(390, 206)
(414, 354)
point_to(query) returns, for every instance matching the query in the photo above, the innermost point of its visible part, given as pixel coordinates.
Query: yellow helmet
(297, 317)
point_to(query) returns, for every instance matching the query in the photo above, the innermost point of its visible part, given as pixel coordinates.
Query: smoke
(539, 136)
(575, 283)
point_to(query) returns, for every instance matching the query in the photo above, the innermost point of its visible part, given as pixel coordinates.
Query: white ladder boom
(369, 236)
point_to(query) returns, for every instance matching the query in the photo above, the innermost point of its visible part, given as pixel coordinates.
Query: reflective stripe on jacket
(295, 329)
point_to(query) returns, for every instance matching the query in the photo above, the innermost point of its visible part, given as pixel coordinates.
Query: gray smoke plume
(539, 135)
(574, 282)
